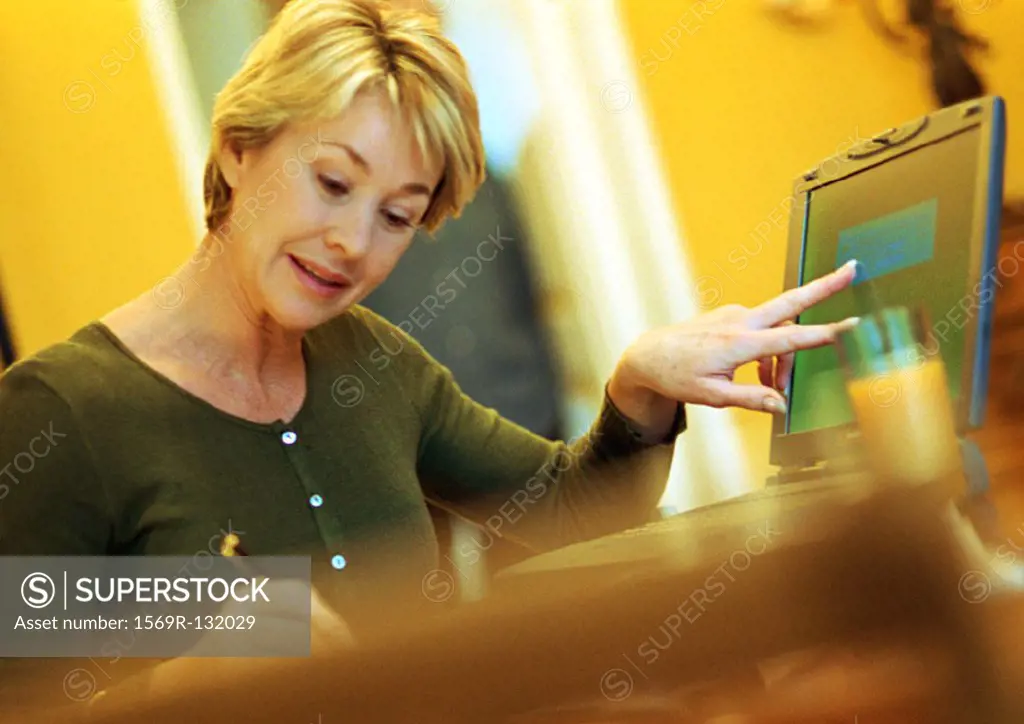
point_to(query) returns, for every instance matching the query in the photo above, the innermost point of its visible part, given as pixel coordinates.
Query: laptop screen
(908, 222)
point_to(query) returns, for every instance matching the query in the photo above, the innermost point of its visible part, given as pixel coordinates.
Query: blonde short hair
(316, 56)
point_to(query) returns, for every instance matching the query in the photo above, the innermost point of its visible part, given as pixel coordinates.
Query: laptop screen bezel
(987, 116)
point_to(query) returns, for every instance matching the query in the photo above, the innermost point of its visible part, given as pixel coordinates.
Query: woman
(250, 393)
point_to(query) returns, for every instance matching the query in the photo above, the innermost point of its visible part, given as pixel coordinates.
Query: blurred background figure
(493, 342)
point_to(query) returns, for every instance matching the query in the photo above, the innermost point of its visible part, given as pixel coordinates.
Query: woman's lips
(322, 281)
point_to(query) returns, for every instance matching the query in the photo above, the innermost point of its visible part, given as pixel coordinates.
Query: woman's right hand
(695, 362)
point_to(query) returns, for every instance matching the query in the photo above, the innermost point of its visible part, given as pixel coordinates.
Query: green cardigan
(103, 455)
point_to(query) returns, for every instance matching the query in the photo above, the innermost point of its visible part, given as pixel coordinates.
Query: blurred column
(608, 211)
(176, 88)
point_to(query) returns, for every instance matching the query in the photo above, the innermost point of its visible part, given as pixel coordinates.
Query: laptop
(919, 207)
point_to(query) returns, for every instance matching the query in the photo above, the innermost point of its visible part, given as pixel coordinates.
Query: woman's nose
(351, 236)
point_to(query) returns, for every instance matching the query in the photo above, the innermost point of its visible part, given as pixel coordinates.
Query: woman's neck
(201, 314)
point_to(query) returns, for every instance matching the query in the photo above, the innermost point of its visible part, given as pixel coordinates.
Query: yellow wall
(91, 206)
(741, 103)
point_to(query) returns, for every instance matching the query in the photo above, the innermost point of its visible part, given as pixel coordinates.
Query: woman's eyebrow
(409, 188)
(357, 159)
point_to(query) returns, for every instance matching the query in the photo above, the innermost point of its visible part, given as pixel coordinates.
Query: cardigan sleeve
(52, 501)
(518, 485)
(51, 504)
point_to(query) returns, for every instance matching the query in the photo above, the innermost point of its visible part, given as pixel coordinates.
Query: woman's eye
(333, 186)
(397, 222)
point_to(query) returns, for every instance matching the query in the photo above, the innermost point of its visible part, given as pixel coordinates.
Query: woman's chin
(298, 317)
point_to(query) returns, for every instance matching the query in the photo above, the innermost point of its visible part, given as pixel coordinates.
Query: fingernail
(777, 406)
(851, 264)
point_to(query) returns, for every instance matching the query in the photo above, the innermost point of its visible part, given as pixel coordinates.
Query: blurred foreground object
(900, 395)
(869, 584)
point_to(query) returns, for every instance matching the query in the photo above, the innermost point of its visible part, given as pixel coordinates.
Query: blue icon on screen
(890, 243)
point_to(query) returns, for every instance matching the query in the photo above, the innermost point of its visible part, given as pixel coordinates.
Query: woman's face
(321, 215)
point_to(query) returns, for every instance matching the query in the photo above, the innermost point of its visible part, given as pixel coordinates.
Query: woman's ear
(231, 161)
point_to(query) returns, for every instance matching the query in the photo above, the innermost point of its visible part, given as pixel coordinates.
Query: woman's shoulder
(358, 321)
(86, 361)
(366, 333)
(362, 342)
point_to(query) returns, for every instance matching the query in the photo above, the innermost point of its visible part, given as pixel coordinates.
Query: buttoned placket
(290, 441)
